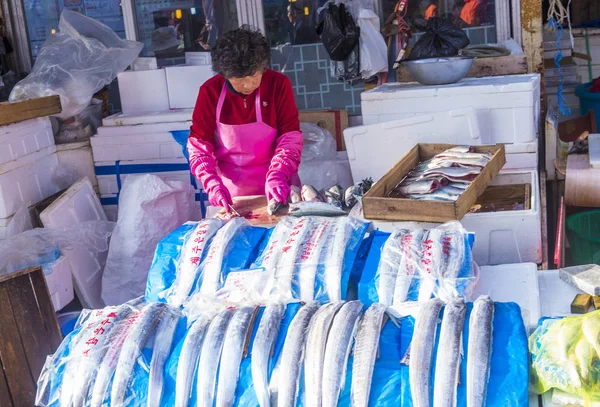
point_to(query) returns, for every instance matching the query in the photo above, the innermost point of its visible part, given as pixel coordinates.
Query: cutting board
(254, 209)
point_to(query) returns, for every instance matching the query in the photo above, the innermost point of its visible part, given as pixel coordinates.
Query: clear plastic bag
(373, 50)
(414, 264)
(181, 258)
(41, 245)
(311, 257)
(149, 209)
(319, 144)
(113, 354)
(76, 62)
(565, 355)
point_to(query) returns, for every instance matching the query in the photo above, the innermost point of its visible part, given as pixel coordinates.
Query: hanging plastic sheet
(414, 264)
(182, 258)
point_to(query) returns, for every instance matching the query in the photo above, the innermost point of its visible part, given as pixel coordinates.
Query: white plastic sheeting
(149, 209)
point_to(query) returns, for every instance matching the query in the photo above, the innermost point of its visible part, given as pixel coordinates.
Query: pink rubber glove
(218, 194)
(277, 189)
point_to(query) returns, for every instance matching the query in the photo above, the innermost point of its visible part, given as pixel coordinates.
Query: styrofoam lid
(27, 159)
(594, 143)
(28, 126)
(165, 116)
(467, 86)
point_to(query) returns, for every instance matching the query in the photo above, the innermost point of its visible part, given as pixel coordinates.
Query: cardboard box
(336, 121)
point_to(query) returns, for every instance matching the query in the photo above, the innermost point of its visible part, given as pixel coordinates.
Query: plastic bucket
(589, 101)
(584, 237)
(67, 321)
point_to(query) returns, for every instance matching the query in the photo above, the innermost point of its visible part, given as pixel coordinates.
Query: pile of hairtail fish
(177, 353)
(444, 177)
(109, 345)
(307, 201)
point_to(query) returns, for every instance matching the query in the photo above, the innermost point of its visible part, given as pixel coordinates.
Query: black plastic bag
(441, 39)
(339, 33)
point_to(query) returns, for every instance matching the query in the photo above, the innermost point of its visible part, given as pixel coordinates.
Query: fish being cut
(212, 266)
(209, 358)
(268, 329)
(274, 207)
(411, 244)
(365, 353)
(233, 349)
(163, 341)
(449, 354)
(132, 349)
(315, 208)
(96, 338)
(479, 350)
(316, 341)
(421, 352)
(188, 358)
(337, 351)
(190, 258)
(292, 355)
(311, 258)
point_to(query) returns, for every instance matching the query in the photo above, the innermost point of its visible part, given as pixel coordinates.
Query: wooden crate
(377, 204)
(29, 109)
(336, 121)
(29, 332)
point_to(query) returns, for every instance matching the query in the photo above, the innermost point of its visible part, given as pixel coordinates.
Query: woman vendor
(245, 137)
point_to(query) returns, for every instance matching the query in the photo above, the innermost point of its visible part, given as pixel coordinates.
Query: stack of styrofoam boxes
(28, 162)
(474, 111)
(508, 110)
(144, 144)
(150, 135)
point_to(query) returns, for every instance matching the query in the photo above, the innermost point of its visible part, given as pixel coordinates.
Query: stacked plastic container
(474, 111)
(28, 162)
(150, 135)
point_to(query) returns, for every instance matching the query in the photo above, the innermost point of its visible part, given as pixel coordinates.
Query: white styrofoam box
(27, 180)
(374, 149)
(26, 137)
(508, 107)
(510, 236)
(198, 58)
(111, 207)
(77, 160)
(500, 237)
(157, 116)
(184, 82)
(513, 283)
(142, 129)
(60, 283)
(143, 91)
(556, 295)
(80, 204)
(110, 174)
(136, 147)
(594, 143)
(3, 227)
(144, 64)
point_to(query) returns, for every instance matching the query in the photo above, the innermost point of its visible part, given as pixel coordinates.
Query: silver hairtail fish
(479, 350)
(421, 352)
(266, 335)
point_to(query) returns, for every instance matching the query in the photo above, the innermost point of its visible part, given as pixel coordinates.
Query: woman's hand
(277, 190)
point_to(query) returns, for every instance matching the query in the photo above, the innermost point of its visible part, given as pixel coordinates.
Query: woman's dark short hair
(240, 53)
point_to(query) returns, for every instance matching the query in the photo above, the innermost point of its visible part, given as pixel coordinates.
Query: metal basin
(439, 71)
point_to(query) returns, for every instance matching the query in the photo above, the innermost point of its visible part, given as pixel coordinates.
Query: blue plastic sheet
(241, 252)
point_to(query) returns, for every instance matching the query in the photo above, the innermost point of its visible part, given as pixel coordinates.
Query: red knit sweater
(278, 106)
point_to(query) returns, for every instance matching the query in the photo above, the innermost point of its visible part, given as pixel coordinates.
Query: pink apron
(244, 152)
